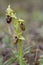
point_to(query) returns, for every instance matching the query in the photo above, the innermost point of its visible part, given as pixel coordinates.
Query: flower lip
(8, 19)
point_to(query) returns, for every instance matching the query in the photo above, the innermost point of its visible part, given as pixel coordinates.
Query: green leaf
(19, 34)
(16, 54)
(20, 20)
(21, 38)
(10, 61)
(13, 15)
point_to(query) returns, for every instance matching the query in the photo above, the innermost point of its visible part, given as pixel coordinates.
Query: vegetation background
(29, 10)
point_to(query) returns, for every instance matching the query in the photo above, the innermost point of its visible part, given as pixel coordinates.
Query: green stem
(21, 53)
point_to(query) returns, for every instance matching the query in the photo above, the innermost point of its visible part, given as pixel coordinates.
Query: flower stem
(21, 53)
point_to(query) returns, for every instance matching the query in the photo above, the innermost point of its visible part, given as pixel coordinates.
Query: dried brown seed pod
(8, 19)
(22, 26)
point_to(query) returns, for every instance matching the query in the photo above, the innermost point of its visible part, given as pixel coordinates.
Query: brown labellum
(22, 26)
(8, 19)
(16, 40)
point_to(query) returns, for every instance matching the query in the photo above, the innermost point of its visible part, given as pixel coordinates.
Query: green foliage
(41, 61)
(17, 57)
(7, 41)
(10, 61)
(1, 60)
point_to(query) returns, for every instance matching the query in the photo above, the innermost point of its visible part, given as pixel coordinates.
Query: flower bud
(22, 26)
